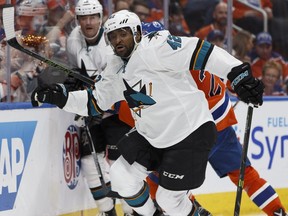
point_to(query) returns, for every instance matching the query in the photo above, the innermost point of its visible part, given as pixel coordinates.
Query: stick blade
(8, 22)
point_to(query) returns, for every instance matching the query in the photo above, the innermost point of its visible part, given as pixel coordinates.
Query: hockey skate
(201, 211)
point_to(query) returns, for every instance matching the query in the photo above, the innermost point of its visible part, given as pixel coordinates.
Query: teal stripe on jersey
(200, 59)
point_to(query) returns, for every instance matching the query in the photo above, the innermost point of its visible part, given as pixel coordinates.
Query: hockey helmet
(88, 7)
(32, 8)
(122, 19)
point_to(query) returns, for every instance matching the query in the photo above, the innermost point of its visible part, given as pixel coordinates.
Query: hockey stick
(93, 152)
(8, 22)
(243, 161)
(106, 190)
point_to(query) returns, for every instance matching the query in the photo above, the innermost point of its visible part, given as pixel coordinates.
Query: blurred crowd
(44, 25)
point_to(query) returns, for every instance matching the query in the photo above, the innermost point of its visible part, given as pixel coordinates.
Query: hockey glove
(248, 88)
(56, 94)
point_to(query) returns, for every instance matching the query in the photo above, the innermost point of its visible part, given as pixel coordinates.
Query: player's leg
(127, 175)
(183, 168)
(153, 182)
(228, 148)
(104, 204)
(114, 131)
(126, 180)
(260, 191)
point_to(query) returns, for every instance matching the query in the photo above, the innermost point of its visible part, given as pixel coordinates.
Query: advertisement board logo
(71, 157)
(268, 140)
(15, 142)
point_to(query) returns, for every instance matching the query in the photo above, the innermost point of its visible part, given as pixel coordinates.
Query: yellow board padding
(219, 204)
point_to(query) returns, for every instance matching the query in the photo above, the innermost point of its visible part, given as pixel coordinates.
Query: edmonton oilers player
(225, 156)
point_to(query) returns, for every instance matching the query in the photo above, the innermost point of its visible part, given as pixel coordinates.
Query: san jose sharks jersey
(156, 83)
(94, 57)
(218, 99)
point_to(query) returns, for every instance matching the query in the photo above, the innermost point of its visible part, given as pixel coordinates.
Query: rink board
(39, 163)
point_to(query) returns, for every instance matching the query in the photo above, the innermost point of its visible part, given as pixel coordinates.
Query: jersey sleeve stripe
(221, 110)
(201, 55)
(192, 63)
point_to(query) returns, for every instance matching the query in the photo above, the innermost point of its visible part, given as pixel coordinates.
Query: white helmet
(32, 8)
(88, 7)
(122, 19)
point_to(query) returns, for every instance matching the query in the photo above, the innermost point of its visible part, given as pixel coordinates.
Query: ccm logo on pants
(172, 176)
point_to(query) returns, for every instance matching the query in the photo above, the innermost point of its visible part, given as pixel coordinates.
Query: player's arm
(219, 62)
(80, 102)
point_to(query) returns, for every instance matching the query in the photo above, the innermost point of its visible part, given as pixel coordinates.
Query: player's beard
(125, 51)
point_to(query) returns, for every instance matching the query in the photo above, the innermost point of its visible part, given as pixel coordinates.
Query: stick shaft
(14, 43)
(8, 22)
(243, 161)
(96, 161)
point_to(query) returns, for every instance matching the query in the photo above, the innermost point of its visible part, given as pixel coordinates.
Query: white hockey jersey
(94, 57)
(157, 84)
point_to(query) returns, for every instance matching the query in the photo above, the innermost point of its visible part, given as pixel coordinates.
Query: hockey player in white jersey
(87, 43)
(174, 128)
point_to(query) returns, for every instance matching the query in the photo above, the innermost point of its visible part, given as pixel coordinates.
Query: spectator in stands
(243, 45)
(30, 17)
(177, 23)
(61, 21)
(141, 8)
(59, 26)
(219, 21)
(271, 74)
(263, 52)
(156, 10)
(250, 19)
(121, 5)
(21, 77)
(30, 21)
(15, 80)
(196, 12)
(216, 37)
(15, 83)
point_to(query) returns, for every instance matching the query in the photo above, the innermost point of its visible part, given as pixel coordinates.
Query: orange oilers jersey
(125, 114)
(215, 92)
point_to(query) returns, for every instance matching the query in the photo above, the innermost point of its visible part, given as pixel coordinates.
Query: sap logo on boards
(71, 157)
(15, 142)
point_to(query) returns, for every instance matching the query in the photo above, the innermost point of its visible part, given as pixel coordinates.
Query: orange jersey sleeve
(218, 100)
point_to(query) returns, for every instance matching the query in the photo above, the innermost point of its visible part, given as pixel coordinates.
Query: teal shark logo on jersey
(15, 142)
(137, 100)
(153, 34)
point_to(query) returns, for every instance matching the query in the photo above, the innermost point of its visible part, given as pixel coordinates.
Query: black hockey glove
(248, 88)
(56, 94)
